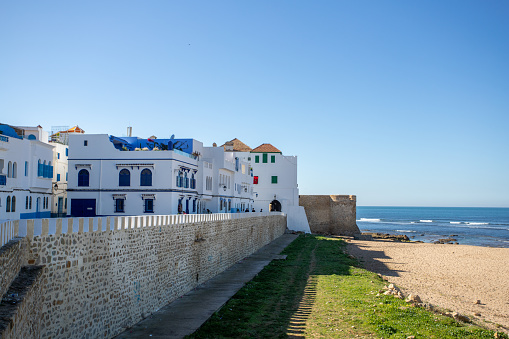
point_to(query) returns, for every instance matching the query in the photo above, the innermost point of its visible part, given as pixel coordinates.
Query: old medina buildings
(33, 172)
(85, 175)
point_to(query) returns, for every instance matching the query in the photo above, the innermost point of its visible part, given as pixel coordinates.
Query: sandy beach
(448, 276)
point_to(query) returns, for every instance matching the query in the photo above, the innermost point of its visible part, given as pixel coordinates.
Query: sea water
(468, 225)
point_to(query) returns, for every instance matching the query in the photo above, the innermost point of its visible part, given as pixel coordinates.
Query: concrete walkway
(185, 315)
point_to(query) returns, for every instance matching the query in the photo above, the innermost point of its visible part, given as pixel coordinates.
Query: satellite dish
(172, 137)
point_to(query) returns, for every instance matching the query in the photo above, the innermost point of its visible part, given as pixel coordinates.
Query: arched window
(8, 204)
(13, 204)
(186, 181)
(26, 203)
(14, 170)
(9, 170)
(83, 177)
(146, 177)
(124, 178)
(30, 203)
(31, 137)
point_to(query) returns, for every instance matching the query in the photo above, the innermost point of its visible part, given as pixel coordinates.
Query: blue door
(83, 207)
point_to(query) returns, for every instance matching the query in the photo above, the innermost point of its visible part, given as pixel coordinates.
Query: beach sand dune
(448, 276)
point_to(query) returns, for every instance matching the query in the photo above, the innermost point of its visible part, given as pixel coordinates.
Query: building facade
(26, 173)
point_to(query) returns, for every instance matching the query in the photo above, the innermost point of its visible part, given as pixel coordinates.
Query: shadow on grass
(371, 259)
(280, 299)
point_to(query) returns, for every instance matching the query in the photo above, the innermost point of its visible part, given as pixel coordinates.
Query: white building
(26, 171)
(274, 178)
(59, 183)
(132, 176)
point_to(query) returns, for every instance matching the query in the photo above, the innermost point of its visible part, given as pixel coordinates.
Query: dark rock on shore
(445, 241)
(395, 237)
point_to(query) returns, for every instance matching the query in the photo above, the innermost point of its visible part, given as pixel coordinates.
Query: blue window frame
(186, 181)
(146, 177)
(66, 152)
(58, 155)
(58, 177)
(124, 178)
(26, 168)
(83, 178)
(119, 205)
(149, 205)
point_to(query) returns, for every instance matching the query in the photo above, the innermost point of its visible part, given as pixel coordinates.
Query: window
(85, 143)
(274, 179)
(14, 170)
(83, 177)
(193, 183)
(39, 168)
(265, 156)
(149, 205)
(248, 158)
(31, 137)
(13, 204)
(26, 168)
(119, 205)
(257, 159)
(255, 180)
(58, 155)
(30, 203)
(146, 177)
(65, 203)
(186, 181)
(58, 177)
(26, 203)
(9, 170)
(124, 178)
(272, 159)
(66, 176)
(8, 204)
(66, 152)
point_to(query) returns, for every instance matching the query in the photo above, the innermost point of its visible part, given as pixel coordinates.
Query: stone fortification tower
(331, 214)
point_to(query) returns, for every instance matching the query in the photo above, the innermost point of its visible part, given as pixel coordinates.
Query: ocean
(469, 225)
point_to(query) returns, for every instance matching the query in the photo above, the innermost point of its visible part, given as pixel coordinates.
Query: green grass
(319, 292)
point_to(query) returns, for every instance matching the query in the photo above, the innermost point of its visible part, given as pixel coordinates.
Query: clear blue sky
(399, 102)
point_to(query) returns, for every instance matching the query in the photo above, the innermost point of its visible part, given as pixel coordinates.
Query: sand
(451, 277)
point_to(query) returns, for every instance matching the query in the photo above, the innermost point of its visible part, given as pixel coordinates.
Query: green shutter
(257, 158)
(274, 179)
(272, 159)
(265, 156)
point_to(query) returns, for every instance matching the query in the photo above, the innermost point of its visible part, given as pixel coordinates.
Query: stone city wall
(13, 255)
(331, 214)
(96, 284)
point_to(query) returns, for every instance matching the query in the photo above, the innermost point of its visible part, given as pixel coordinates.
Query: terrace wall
(103, 275)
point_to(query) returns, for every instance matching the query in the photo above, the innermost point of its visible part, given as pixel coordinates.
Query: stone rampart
(13, 255)
(96, 284)
(331, 214)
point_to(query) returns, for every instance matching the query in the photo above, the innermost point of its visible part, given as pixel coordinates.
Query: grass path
(318, 292)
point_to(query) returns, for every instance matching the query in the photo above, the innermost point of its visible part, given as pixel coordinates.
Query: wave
(406, 231)
(367, 219)
(456, 222)
(478, 223)
(425, 220)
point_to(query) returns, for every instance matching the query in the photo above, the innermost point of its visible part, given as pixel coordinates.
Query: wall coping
(41, 227)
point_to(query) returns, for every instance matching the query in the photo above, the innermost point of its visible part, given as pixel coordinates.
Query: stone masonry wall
(331, 214)
(12, 257)
(96, 284)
